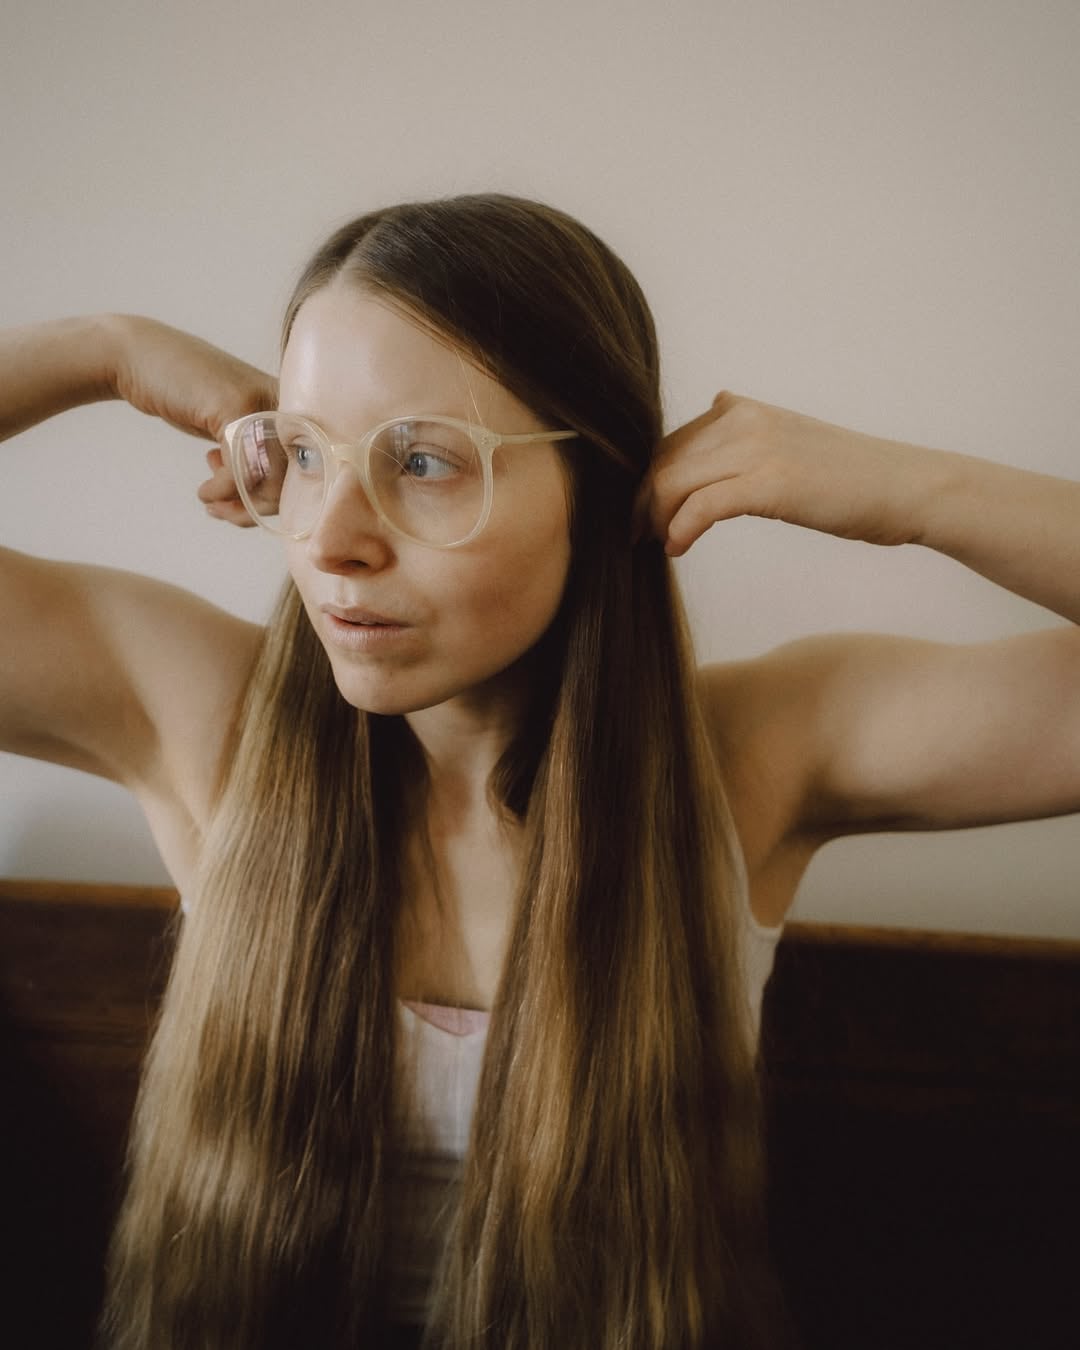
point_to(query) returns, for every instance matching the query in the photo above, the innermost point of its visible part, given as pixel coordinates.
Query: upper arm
(109, 672)
(860, 732)
(925, 735)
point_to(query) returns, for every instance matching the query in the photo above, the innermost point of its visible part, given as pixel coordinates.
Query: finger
(234, 513)
(219, 488)
(255, 392)
(722, 403)
(220, 469)
(700, 510)
(675, 441)
(674, 484)
(701, 451)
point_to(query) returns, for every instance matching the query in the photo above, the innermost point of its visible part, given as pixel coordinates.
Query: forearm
(47, 368)
(1018, 529)
(745, 458)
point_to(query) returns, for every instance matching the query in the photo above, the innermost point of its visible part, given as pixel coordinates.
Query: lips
(370, 617)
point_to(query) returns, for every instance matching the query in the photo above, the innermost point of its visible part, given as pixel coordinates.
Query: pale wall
(870, 212)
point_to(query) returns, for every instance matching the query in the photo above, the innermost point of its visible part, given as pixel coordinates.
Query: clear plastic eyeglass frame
(358, 455)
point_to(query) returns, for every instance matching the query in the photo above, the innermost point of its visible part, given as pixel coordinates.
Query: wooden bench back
(923, 1110)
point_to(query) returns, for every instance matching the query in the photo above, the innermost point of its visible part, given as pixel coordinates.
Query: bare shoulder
(763, 718)
(758, 712)
(120, 675)
(855, 732)
(771, 714)
(189, 664)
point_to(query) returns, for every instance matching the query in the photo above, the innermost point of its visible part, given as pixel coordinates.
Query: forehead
(353, 359)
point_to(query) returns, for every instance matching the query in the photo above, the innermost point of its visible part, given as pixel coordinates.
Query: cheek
(513, 591)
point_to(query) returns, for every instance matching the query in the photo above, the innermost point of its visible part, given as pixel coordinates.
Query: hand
(188, 383)
(195, 387)
(743, 458)
(219, 493)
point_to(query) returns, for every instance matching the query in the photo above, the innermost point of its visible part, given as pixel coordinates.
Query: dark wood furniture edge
(807, 932)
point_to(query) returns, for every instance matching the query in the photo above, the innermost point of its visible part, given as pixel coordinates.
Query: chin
(382, 703)
(385, 696)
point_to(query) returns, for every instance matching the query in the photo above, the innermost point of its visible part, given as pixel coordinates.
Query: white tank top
(440, 1054)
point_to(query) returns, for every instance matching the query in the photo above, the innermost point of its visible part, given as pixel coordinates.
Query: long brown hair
(612, 1189)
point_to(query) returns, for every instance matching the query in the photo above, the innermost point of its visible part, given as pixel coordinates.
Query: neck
(462, 741)
(463, 860)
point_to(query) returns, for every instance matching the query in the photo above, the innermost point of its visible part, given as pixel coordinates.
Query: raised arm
(99, 669)
(861, 732)
(48, 368)
(1019, 529)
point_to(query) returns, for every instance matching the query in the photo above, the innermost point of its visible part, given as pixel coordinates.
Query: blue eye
(425, 453)
(425, 464)
(306, 458)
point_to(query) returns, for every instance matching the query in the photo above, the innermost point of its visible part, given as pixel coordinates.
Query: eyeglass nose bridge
(354, 455)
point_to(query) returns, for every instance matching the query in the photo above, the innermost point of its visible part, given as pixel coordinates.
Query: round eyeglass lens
(428, 478)
(281, 471)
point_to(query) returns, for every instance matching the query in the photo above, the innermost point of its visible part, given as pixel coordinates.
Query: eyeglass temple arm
(523, 438)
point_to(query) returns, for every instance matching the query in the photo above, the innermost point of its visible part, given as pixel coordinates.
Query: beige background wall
(867, 211)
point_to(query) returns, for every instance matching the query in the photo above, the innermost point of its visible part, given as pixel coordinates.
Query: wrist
(110, 338)
(932, 481)
(966, 495)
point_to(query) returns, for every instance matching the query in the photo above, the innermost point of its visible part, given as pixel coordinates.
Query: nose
(349, 532)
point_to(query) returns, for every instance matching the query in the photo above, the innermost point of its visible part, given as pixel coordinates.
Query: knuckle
(748, 417)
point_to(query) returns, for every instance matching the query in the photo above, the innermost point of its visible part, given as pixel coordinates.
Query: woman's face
(467, 613)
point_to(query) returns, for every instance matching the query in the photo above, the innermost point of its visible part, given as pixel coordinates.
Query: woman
(469, 766)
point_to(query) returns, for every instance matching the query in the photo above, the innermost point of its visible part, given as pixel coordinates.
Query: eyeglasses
(429, 478)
